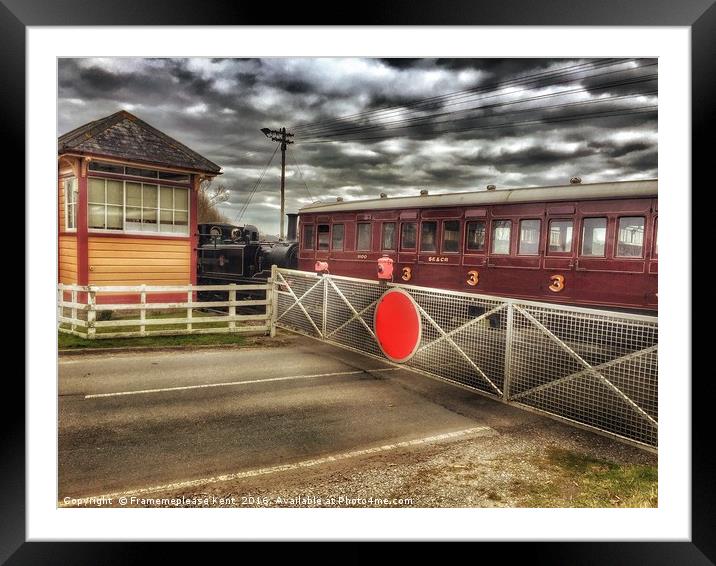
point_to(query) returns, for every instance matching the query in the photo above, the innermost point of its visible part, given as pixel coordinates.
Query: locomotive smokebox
(291, 231)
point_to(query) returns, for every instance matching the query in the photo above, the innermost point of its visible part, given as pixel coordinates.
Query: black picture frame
(699, 15)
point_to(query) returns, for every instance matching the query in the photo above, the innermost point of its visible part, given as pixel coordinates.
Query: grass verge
(584, 481)
(70, 342)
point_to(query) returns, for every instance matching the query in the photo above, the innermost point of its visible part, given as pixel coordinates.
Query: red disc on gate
(397, 325)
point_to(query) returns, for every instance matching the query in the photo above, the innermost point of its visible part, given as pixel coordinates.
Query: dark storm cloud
(217, 107)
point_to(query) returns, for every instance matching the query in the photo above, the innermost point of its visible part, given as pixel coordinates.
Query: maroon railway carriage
(582, 244)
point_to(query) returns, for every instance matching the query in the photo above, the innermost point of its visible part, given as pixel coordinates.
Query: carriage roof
(587, 191)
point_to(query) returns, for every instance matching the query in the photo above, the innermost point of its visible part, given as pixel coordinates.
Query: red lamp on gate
(385, 268)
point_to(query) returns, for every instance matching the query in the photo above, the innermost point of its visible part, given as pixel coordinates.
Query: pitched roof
(124, 136)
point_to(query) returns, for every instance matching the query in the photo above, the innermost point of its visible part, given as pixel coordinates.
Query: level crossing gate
(592, 368)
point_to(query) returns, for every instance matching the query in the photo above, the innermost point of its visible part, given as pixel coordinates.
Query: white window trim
(124, 229)
(67, 205)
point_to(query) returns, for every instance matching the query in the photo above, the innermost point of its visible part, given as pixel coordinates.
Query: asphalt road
(129, 421)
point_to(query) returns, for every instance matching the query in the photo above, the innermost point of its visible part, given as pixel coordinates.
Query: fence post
(232, 306)
(508, 352)
(272, 301)
(60, 298)
(325, 305)
(74, 310)
(91, 312)
(143, 311)
(189, 310)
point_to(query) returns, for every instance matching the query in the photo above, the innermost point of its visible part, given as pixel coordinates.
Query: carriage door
(559, 252)
(612, 245)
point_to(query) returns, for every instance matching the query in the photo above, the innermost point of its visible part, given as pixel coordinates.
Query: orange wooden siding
(67, 259)
(137, 261)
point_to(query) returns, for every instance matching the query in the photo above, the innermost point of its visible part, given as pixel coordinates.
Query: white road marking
(283, 468)
(229, 383)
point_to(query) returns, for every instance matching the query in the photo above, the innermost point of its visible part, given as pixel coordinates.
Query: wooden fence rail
(80, 313)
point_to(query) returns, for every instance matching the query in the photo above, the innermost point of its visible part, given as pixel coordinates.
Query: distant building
(127, 196)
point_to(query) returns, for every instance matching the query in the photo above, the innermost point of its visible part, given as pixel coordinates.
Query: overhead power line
(430, 120)
(593, 115)
(239, 215)
(451, 99)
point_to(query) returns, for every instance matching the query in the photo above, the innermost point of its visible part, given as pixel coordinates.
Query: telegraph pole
(280, 136)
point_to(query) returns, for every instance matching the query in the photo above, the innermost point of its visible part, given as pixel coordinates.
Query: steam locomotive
(235, 254)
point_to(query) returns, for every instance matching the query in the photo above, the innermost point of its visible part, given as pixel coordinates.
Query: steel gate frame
(614, 411)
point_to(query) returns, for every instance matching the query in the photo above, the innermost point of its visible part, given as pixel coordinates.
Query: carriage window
(337, 239)
(476, 236)
(560, 236)
(388, 236)
(630, 239)
(594, 236)
(364, 230)
(323, 232)
(451, 236)
(529, 237)
(501, 230)
(428, 235)
(308, 237)
(408, 236)
(656, 237)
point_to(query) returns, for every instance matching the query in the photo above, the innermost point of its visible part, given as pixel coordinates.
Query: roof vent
(383, 195)
(575, 180)
(339, 199)
(424, 192)
(490, 187)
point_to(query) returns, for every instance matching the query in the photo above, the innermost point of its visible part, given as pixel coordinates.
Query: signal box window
(560, 236)
(323, 233)
(501, 232)
(308, 237)
(428, 236)
(594, 237)
(476, 236)
(388, 242)
(451, 236)
(337, 239)
(630, 238)
(364, 230)
(408, 236)
(529, 237)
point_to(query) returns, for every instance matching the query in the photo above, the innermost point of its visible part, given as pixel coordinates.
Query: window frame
(617, 230)
(333, 248)
(580, 251)
(401, 247)
(466, 249)
(123, 230)
(318, 234)
(457, 240)
(493, 239)
(382, 236)
(304, 227)
(420, 241)
(370, 236)
(74, 188)
(519, 238)
(548, 236)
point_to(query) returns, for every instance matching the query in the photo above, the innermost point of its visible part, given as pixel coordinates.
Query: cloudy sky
(366, 126)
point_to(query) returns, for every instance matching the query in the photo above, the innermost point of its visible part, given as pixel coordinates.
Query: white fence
(89, 311)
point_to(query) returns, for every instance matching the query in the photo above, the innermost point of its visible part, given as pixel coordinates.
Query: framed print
(156, 127)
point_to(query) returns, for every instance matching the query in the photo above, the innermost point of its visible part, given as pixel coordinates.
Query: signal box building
(127, 196)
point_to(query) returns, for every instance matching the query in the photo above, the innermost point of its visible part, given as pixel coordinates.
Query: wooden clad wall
(67, 259)
(122, 260)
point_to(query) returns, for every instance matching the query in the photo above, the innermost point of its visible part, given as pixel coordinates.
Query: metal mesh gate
(594, 368)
